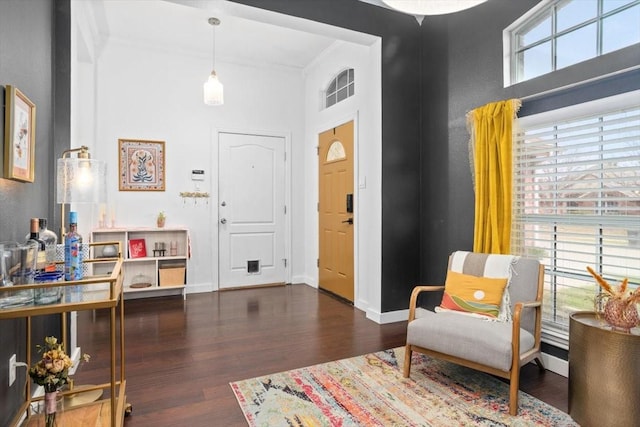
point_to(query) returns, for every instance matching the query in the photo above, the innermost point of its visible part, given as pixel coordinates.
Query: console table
(604, 374)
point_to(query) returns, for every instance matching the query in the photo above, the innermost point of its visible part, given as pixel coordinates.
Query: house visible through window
(560, 33)
(340, 88)
(577, 201)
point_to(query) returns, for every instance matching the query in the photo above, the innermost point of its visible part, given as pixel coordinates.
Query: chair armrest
(517, 312)
(414, 298)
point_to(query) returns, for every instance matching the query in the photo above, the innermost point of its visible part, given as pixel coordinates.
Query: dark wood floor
(181, 355)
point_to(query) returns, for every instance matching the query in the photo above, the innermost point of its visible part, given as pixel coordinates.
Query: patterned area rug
(369, 390)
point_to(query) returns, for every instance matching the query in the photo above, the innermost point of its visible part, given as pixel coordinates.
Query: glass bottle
(73, 250)
(50, 240)
(34, 236)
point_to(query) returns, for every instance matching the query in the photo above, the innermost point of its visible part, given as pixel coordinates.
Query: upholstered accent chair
(496, 346)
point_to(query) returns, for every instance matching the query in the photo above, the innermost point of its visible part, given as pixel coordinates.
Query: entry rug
(370, 390)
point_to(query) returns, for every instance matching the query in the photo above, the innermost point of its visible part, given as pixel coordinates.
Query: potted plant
(161, 219)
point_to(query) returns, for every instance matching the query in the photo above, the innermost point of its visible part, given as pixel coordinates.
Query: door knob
(348, 221)
(223, 220)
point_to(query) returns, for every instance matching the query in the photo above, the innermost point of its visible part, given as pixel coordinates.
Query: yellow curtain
(491, 129)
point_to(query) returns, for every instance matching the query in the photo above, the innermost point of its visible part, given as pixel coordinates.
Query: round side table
(604, 373)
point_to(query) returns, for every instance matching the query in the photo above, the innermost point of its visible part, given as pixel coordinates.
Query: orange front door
(335, 211)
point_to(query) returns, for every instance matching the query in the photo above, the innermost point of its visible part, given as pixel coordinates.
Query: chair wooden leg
(514, 385)
(406, 369)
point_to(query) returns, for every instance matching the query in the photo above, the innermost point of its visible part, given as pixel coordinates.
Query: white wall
(154, 94)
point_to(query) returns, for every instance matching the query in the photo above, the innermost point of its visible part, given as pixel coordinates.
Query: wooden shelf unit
(90, 293)
(151, 265)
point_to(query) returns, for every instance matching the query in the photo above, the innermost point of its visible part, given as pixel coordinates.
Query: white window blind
(577, 201)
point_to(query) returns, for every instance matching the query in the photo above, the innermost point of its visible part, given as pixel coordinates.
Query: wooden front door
(335, 211)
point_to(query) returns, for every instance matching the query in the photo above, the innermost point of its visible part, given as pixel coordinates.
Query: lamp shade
(213, 90)
(81, 180)
(431, 7)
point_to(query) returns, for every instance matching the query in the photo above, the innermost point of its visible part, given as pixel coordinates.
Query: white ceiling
(246, 35)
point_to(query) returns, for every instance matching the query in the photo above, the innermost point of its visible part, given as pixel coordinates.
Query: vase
(53, 408)
(160, 222)
(621, 315)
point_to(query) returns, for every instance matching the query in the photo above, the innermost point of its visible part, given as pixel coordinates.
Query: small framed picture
(140, 165)
(137, 248)
(19, 136)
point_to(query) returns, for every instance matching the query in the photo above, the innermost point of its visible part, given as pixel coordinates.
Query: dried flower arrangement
(620, 309)
(52, 370)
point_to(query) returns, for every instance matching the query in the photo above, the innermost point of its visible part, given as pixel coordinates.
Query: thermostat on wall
(197, 175)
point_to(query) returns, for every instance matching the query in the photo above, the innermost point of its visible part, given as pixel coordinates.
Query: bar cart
(90, 293)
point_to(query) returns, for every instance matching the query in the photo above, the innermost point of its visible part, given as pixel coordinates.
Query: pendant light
(213, 89)
(431, 7)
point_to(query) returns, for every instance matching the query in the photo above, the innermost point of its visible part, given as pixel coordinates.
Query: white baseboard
(555, 364)
(388, 317)
(306, 280)
(198, 288)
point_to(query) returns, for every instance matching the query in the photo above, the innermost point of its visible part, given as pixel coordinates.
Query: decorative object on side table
(159, 249)
(141, 281)
(52, 372)
(109, 251)
(619, 303)
(161, 219)
(137, 248)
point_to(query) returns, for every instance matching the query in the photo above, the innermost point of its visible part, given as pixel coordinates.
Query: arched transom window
(340, 88)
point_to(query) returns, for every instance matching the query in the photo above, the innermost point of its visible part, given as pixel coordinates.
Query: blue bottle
(73, 250)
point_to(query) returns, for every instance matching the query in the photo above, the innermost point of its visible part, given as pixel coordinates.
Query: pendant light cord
(214, 22)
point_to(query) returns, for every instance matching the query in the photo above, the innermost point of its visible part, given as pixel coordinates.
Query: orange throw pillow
(472, 294)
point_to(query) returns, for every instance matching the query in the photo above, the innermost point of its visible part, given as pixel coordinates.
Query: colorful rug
(369, 390)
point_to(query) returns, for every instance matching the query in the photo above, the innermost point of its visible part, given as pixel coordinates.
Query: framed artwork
(137, 248)
(140, 165)
(19, 136)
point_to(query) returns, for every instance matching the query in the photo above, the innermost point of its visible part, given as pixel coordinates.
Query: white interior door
(251, 209)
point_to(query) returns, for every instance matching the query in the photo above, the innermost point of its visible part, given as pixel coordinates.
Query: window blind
(577, 202)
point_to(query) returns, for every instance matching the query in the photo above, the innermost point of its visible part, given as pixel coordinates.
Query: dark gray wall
(462, 62)
(27, 57)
